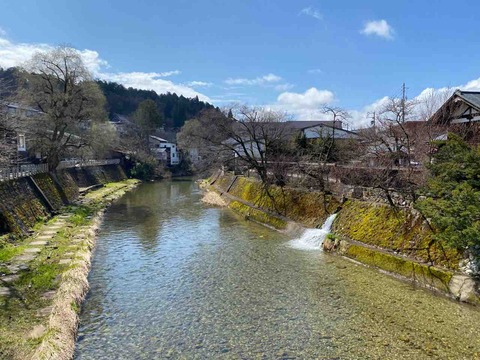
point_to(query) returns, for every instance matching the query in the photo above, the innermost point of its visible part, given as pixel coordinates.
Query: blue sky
(291, 55)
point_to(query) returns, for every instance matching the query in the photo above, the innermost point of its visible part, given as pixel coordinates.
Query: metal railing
(16, 172)
(84, 163)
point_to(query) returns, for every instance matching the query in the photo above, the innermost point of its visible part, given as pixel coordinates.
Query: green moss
(422, 273)
(8, 251)
(258, 215)
(400, 230)
(310, 208)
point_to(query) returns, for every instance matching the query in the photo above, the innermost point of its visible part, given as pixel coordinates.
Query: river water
(174, 278)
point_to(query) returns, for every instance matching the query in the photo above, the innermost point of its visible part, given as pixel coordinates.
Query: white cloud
(266, 79)
(16, 54)
(315, 71)
(3, 32)
(309, 11)
(309, 100)
(199, 84)
(379, 28)
(473, 85)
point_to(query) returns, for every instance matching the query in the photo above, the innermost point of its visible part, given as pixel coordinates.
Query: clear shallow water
(173, 278)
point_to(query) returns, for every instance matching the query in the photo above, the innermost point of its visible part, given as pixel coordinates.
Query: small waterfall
(312, 239)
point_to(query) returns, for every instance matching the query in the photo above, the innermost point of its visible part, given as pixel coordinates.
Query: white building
(164, 150)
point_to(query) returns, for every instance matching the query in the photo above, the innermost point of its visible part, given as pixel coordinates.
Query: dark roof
(471, 97)
(304, 124)
(443, 114)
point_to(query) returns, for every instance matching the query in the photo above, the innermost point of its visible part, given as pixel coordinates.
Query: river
(174, 278)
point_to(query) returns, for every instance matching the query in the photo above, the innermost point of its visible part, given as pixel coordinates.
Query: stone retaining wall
(26, 200)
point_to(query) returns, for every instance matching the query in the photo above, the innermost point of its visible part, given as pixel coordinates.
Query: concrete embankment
(44, 265)
(394, 240)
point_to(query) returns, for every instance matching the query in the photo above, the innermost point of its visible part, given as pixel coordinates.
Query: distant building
(14, 137)
(164, 150)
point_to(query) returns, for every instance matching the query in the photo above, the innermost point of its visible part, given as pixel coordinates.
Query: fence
(16, 172)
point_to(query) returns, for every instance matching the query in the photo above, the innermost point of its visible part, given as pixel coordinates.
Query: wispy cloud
(315, 71)
(199, 84)
(3, 32)
(379, 28)
(262, 80)
(169, 73)
(284, 87)
(310, 11)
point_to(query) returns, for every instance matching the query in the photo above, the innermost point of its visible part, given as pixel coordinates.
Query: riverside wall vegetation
(48, 226)
(395, 240)
(25, 201)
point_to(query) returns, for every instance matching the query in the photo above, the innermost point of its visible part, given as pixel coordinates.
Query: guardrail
(11, 173)
(84, 163)
(17, 172)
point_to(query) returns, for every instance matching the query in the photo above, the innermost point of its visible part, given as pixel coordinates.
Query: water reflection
(173, 278)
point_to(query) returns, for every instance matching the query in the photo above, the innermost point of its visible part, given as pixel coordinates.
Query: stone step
(25, 257)
(38, 243)
(44, 237)
(45, 311)
(65, 261)
(32, 251)
(9, 278)
(48, 295)
(4, 291)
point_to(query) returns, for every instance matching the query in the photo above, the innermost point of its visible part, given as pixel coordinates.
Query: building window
(21, 145)
(173, 155)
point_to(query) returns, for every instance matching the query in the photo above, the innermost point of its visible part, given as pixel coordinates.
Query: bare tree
(60, 86)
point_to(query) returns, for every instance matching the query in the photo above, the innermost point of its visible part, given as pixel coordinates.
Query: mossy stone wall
(20, 208)
(21, 204)
(311, 208)
(93, 175)
(400, 230)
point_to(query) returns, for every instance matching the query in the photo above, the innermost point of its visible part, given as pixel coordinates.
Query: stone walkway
(34, 248)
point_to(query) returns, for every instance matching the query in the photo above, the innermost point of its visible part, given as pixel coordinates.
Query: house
(323, 129)
(164, 151)
(14, 136)
(460, 114)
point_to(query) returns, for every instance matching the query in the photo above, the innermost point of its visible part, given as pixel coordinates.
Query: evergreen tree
(452, 196)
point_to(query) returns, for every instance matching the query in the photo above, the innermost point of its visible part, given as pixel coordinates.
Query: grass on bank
(26, 307)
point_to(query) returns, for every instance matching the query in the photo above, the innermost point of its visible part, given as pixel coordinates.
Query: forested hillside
(174, 109)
